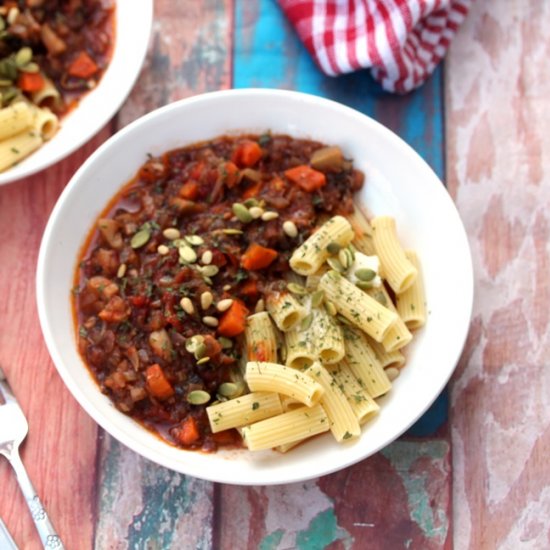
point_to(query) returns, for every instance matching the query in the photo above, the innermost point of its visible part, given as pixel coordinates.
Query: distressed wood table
(474, 471)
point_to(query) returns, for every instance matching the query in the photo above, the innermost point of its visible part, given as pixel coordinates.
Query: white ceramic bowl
(399, 183)
(133, 22)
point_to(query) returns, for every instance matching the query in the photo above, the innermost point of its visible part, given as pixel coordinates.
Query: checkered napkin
(401, 41)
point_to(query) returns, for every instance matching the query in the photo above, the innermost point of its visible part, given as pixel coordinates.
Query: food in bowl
(232, 284)
(51, 53)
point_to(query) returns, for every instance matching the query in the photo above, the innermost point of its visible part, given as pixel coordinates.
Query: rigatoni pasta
(411, 304)
(285, 310)
(261, 340)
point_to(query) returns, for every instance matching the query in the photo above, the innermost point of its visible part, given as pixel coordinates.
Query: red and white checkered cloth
(401, 41)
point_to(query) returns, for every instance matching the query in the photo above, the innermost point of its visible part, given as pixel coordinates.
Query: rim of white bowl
(141, 447)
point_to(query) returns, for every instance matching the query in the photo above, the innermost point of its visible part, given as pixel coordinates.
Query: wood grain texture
(60, 450)
(142, 505)
(498, 108)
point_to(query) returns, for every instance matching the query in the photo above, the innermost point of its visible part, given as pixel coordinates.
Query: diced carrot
(247, 154)
(233, 321)
(258, 257)
(30, 82)
(306, 177)
(230, 173)
(157, 384)
(188, 431)
(252, 191)
(249, 289)
(189, 190)
(83, 66)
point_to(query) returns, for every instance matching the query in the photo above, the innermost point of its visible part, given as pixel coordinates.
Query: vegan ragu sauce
(179, 258)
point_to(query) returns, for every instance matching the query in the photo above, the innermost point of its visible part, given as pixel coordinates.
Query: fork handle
(50, 539)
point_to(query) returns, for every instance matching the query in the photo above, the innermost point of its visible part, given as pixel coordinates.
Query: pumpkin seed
(198, 397)
(30, 67)
(345, 258)
(317, 298)
(140, 238)
(335, 264)
(203, 360)
(256, 212)
(224, 305)
(365, 274)
(23, 56)
(392, 373)
(251, 203)
(342, 320)
(352, 251)
(171, 233)
(192, 342)
(331, 308)
(268, 216)
(297, 289)
(242, 213)
(380, 297)
(290, 229)
(162, 249)
(187, 305)
(206, 300)
(363, 285)
(207, 257)
(333, 247)
(210, 270)
(228, 389)
(200, 350)
(194, 240)
(210, 321)
(4, 83)
(306, 321)
(187, 254)
(231, 231)
(225, 343)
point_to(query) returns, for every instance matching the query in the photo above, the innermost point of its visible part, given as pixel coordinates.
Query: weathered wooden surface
(60, 451)
(498, 108)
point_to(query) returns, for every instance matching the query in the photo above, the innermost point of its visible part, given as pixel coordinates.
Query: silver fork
(13, 430)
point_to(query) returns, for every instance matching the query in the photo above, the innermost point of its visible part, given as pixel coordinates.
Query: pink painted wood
(498, 111)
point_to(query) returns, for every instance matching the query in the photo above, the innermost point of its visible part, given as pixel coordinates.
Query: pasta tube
(363, 232)
(285, 310)
(243, 410)
(329, 339)
(343, 422)
(309, 257)
(278, 378)
(362, 404)
(261, 341)
(411, 304)
(300, 348)
(398, 270)
(16, 148)
(14, 119)
(356, 306)
(362, 361)
(286, 428)
(387, 358)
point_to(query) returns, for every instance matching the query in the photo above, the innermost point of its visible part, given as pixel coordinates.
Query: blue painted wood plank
(268, 54)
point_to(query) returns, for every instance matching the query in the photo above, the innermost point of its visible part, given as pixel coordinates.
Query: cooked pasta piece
(399, 335)
(301, 348)
(281, 379)
(312, 281)
(398, 270)
(363, 405)
(16, 148)
(387, 358)
(243, 410)
(356, 306)
(362, 361)
(286, 428)
(289, 403)
(309, 257)
(285, 310)
(343, 422)
(363, 232)
(261, 340)
(411, 304)
(329, 339)
(48, 91)
(14, 119)
(45, 123)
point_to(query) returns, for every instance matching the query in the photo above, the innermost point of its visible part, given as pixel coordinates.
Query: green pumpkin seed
(345, 258)
(317, 298)
(363, 285)
(341, 319)
(192, 342)
(231, 231)
(331, 308)
(172, 234)
(256, 212)
(187, 254)
(210, 270)
(31, 67)
(4, 83)
(200, 350)
(250, 203)
(242, 213)
(333, 247)
(296, 289)
(228, 389)
(306, 321)
(335, 264)
(198, 397)
(194, 240)
(140, 238)
(23, 56)
(380, 297)
(365, 274)
(225, 343)
(203, 360)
